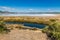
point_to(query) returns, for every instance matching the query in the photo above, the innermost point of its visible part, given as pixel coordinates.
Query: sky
(30, 5)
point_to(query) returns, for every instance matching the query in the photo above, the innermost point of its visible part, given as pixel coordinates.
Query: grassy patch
(53, 30)
(3, 28)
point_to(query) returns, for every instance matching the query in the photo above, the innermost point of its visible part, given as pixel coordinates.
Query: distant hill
(3, 11)
(6, 12)
(39, 12)
(29, 12)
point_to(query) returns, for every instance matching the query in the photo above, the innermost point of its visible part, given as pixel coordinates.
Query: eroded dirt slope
(24, 35)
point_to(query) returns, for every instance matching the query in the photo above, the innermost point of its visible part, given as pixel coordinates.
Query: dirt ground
(24, 35)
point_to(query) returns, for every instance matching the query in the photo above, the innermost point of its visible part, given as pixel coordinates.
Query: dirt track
(24, 35)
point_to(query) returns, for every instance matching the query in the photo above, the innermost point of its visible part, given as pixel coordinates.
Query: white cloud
(49, 9)
(30, 9)
(4, 8)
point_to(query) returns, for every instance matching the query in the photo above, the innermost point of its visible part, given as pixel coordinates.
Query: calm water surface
(28, 24)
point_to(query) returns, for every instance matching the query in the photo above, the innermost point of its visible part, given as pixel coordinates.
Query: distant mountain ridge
(29, 12)
(39, 12)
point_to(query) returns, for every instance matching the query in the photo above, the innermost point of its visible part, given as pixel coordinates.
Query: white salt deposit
(27, 14)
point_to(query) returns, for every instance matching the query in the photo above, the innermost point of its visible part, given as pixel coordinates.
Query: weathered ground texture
(24, 35)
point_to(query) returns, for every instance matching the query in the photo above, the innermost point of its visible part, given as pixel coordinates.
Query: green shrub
(53, 30)
(3, 28)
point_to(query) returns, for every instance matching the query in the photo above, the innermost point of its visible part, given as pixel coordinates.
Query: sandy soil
(24, 35)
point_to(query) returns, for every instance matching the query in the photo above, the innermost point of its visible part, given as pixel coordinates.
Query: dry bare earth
(24, 35)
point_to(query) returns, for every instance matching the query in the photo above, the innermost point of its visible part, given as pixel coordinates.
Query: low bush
(3, 28)
(53, 30)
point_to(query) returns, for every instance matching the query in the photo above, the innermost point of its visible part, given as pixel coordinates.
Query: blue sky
(30, 5)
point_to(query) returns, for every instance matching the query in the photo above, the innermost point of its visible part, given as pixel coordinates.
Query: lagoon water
(25, 23)
(36, 25)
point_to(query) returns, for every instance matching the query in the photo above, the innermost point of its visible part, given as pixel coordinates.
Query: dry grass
(36, 19)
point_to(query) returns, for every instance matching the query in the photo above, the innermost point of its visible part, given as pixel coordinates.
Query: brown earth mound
(24, 35)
